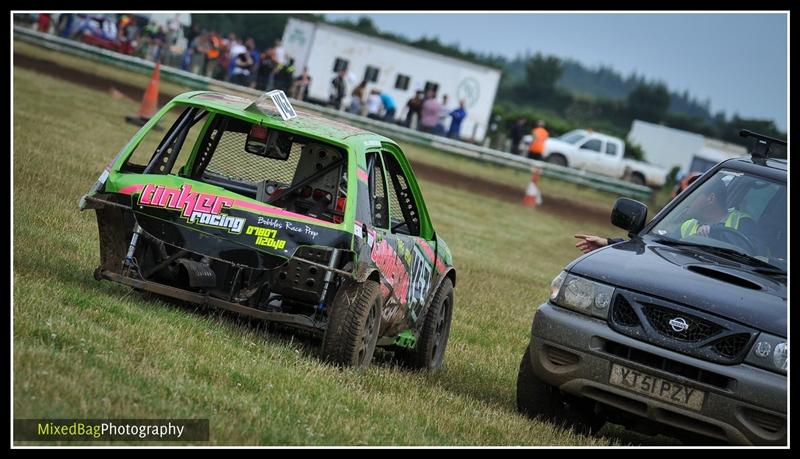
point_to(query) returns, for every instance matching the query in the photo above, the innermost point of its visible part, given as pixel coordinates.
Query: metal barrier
(464, 149)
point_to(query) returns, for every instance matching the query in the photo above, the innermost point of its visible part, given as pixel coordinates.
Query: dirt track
(562, 207)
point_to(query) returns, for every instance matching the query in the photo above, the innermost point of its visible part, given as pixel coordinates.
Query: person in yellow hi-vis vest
(712, 209)
(709, 214)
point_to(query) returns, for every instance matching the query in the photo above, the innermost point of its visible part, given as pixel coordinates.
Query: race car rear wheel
(428, 354)
(353, 324)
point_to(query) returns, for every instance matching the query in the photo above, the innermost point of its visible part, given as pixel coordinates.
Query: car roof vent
(724, 277)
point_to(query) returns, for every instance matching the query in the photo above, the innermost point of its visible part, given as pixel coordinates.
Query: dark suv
(682, 329)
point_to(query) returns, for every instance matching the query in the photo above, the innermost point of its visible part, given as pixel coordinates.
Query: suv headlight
(580, 294)
(769, 352)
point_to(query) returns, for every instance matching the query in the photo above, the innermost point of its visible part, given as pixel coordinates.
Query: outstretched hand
(588, 243)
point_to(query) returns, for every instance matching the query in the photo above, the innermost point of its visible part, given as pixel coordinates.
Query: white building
(669, 147)
(392, 67)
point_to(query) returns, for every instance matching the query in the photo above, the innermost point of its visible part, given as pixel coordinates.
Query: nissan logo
(678, 324)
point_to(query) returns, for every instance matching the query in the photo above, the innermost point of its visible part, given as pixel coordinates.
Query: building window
(340, 64)
(402, 82)
(371, 74)
(432, 87)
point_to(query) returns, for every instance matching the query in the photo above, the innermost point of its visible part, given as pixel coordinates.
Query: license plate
(661, 389)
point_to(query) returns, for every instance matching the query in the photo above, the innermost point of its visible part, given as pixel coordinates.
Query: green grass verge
(98, 350)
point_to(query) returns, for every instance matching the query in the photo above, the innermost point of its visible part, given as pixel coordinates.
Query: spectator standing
(517, 132)
(43, 22)
(357, 98)
(64, 25)
(374, 105)
(457, 116)
(389, 106)
(300, 86)
(213, 52)
(413, 107)
(429, 113)
(235, 47)
(264, 80)
(280, 52)
(284, 75)
(197, 50)
(444, 113)
(250, 44)
(243, 63)
(540, 134)
(338, 89)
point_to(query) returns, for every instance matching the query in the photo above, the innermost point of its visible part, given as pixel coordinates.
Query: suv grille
(732, 345)
(695, 329)
(622, 312)
(678, 328)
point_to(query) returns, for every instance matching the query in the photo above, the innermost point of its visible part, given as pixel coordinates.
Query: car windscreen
(573, 137)
(286, 170)
(736, 213)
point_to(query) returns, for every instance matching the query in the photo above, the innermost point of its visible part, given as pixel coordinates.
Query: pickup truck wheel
(353, 324)
(557, 159)
(428, 354)
(539, 400)
(637, 178)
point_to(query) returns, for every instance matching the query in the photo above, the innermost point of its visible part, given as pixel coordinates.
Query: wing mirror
(629, 215)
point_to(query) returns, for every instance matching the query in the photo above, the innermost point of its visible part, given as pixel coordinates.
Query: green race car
(282, 215)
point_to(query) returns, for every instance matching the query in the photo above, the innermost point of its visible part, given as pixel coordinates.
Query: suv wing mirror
(629, 215)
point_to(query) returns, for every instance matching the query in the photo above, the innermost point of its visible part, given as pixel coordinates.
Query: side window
(402, 82)
(340, 64)
(593, 144)
(186, 124)
(377, 187)
(371, 74)
(431, 86)
(403, 213)
(611, 149)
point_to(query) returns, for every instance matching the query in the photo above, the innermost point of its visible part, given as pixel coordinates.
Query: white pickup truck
(601, 154)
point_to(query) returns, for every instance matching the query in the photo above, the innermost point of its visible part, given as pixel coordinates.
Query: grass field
(88, 349)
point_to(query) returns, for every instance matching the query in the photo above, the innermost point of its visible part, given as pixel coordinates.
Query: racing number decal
(420, 282)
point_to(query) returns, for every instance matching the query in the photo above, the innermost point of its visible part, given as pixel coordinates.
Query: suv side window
(378, 201)
(403, 212)
(593, 144)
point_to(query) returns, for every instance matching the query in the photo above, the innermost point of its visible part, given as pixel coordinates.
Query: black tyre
(557, 159)
(539, 400)
(637, 178)
(353, 324)
(428, 354)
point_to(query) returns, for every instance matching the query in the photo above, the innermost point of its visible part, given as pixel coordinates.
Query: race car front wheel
(428, 354)
(354, 321)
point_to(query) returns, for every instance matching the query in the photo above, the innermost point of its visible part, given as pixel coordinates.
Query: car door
(404, 259)
(588, 153)
(609, 160)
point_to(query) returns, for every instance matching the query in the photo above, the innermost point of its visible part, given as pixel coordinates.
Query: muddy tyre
(428, 354)
(353, 324)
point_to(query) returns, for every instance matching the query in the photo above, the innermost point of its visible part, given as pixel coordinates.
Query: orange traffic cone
(149, 101)
(533, 197)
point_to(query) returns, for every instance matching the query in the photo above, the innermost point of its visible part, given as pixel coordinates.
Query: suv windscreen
(733, 211)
